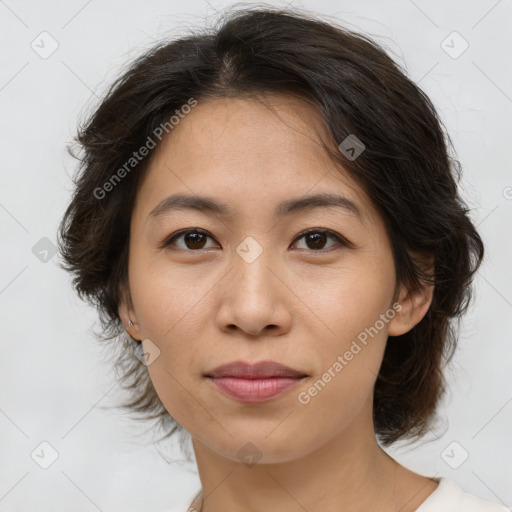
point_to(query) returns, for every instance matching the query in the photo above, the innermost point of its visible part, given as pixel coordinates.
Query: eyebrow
(210, 206)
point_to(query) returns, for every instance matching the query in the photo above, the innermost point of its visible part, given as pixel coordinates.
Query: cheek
(343, 303)
(168, 298)
(349, 363)
(345, 319)
(171, 309)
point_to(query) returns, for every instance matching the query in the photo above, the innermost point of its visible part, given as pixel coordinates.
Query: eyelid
(167, 240)
(340, 239)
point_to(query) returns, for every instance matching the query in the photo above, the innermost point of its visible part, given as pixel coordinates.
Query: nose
(254, 298)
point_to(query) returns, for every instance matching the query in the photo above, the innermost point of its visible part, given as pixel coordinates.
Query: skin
(298, 304)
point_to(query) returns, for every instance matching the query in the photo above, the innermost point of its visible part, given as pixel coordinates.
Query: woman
(270, 213)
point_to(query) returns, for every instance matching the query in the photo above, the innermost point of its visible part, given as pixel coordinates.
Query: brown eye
(317, 238)
(196, 240)
(193, 239)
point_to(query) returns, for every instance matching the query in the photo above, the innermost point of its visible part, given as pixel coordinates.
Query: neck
(349, 472)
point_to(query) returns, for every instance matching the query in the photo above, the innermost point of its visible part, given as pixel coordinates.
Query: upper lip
(261, 370)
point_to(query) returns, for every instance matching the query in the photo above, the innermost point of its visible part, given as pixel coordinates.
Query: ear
(127, 314)
(414, 303)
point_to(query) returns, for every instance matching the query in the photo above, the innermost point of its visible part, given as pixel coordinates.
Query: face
(209, 288)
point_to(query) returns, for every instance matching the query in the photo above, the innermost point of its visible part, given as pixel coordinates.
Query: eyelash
(341, 240)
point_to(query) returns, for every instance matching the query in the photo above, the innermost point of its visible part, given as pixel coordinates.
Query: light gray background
(54, 378)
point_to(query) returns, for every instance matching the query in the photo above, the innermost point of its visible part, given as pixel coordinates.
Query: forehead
(271, 129)
(249, 151)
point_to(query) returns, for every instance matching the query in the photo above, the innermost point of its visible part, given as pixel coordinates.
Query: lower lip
(254, 390)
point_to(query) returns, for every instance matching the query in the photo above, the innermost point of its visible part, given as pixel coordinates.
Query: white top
(448, 497)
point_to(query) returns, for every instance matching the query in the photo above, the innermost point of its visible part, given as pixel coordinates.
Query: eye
(192, 238)
(195, 239)
(316, 238)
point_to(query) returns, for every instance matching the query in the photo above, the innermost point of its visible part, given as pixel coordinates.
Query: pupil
(196, 240)
(193, 240)
(318, 240)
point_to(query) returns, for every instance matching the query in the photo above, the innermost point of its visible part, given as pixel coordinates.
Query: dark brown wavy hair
(406, 170)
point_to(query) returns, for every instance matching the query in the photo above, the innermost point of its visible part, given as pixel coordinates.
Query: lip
(254, 391)
(260, 370)
(254, 383)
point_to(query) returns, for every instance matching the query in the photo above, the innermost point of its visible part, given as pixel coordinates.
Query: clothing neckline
(434, 499)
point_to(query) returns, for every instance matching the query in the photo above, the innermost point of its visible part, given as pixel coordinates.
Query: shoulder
(449, 497)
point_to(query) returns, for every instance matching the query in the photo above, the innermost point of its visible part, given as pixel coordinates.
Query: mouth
(254, 383)
(261, 370)
(254, 391)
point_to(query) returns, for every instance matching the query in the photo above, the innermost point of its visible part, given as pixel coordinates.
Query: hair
(405, 169)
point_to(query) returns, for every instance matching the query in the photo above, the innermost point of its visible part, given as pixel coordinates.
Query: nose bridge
(252, 297)
(252, 274)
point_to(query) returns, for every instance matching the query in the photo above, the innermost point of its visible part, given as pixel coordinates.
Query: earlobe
(126, 314)
(130, 323)
(415, 302)
(414, 306)
(130, 327)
